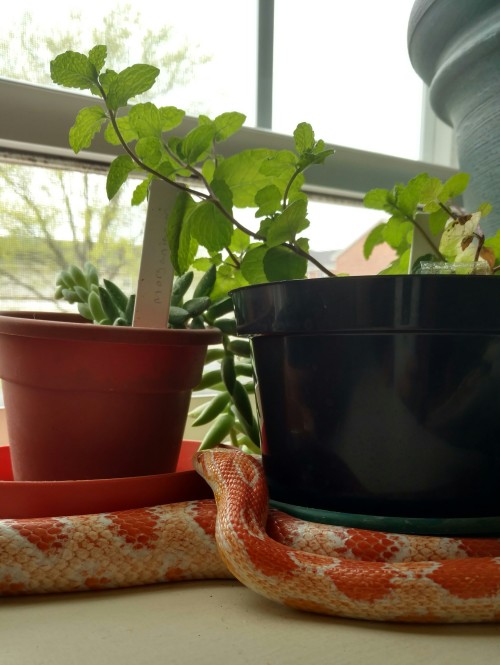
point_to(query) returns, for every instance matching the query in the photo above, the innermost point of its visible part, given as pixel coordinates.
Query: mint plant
(210, 188)
(454, 234)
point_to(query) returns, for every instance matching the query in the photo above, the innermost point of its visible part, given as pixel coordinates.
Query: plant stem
(449, 211)
(234, 258)
(148, 169)
(211, 195)
(309, 257)
(480, 243)
(427, 238)
(288, 187)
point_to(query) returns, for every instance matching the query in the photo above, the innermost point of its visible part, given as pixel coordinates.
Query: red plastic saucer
(31, 499)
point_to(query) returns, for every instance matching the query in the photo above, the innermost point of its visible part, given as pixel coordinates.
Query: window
(275, 61)
(341, 65)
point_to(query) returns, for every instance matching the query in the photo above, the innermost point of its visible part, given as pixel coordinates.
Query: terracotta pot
(86, 401)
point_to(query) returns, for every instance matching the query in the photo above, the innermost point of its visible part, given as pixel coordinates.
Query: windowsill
(215, 622)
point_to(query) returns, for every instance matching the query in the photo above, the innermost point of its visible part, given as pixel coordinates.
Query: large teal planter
(454, 46)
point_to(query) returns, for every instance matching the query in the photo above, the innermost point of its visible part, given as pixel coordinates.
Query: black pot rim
(375, 303)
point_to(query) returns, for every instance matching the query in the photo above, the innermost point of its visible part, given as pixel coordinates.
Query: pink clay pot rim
(58, 325)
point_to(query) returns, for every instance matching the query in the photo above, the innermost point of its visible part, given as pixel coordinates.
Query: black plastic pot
(379, 395)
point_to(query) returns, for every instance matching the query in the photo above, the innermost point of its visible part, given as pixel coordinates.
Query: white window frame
(35, 120)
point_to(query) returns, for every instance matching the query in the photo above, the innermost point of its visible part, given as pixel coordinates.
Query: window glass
(204, 69)
(337, 234)
(344, 67)
(52, 218)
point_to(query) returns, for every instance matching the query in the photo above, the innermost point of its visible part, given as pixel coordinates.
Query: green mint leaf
(205, 120)
(175, 145)
(223, 193)
(286, 226)
(125, 130)
(197, 143)
(303, 243)
(485, 209)
(97, 56)
(182, 247)
(281, 263)
(315, 158)
(227, 124)
(228, 278)
(268, 201)
(140, 193)
(374, 238)
(245, 174)
(419, 182)
(239, 241)
(74, 70)
(454, 186)
(376, 199)
(203, 263)
(303, 137)
(130, 82)
(252, 265)
(88, 123)
(429, 196)
(188, 247)
(107, 78)
(174, 168)
(118, 172)
(210, 227)
(431, 207)
(208, 170)
(170, 117)
(395, 231)
(146, 120)
(265, 225)
(437, 221)
(408, 197)
(494, 243)
(169, 169)
(279, 163)
(150, 151)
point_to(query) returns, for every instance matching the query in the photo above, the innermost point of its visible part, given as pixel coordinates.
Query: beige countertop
(200, 623)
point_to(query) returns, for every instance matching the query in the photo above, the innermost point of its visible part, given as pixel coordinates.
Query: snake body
(329, 570)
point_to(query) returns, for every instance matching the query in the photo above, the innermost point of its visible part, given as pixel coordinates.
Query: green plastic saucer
(424, 526)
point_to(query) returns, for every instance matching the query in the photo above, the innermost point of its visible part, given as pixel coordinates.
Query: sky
(342, 66)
